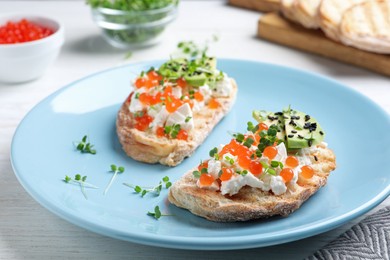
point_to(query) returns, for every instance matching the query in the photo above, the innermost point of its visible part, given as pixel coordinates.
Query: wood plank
(274, 28)
(258, 5)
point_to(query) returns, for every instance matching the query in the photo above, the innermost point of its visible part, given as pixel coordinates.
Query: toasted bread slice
(367, 26)
(252, 203)
(306, 12)
(147, 147)
(330, 15)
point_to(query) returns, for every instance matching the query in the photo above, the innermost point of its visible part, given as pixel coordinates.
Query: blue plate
(43, 153)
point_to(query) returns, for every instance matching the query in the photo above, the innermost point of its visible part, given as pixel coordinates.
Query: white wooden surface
(28, 231)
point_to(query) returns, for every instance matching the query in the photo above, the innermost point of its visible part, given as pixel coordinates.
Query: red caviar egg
(160, 131)
(287, 174)
(206, 179)
(270, 152)
(204, 164)
(244, 161)
(172, 104)
(214, 104)
(182, 135)
(263, 126)
(181, 82)
(153, 75)
(307, 172)
(292, 161)
(256, 168)
(140, 82)
(198, 96)
(227, 174)
(142, 122)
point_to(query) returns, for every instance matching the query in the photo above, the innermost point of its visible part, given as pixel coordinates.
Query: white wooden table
(28, 231)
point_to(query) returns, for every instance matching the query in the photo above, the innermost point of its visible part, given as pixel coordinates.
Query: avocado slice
(301, 129)
(173, 69)
(196, 80)
(271, 118)
(211, 63)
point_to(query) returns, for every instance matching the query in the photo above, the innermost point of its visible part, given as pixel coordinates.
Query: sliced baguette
(287, 8)
(331, 13)
(147, 147)
(367, 26)
(252, 203)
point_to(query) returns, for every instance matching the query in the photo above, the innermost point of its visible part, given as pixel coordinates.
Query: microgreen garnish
(196, 174)
(137, 95)
(115, 169)
(188, 118)
(268, 137)
(252, 128)
(80, 180)
(128, 55)
(84, 146)
(157, 213)
(156, 190)
(230, 160)
(248, 142)
(239, 137)
(172, 130)
(213, 152)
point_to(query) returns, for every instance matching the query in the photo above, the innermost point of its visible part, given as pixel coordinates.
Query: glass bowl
(132, 29)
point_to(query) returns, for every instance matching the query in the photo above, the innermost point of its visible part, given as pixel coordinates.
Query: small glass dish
(133, 29)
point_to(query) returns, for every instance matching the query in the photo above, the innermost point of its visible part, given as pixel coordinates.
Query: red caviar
(142, 122)
(256, 168)
(263, 126)
(214, 104)
(160, 131)
(182, 135)
(270, 152)
(292, 161)
(287, 174)
(22, 31)
(307, 172)
(206, 179)
(181, 82)
(198, 96)
(204, 164)
(227, 174)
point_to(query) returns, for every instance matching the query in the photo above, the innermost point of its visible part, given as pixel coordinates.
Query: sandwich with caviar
(270, 170)
(173, 108)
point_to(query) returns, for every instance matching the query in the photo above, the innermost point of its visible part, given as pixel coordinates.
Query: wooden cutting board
(258, 5)
(274, 28)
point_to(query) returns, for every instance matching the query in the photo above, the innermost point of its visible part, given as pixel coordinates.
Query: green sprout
(80, 180)
(115, 169)
(156, 190)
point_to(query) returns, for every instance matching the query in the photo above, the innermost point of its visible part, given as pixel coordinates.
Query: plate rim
(207, 243)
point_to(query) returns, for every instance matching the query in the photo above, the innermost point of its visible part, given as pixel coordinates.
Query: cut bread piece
(331, 13)
(367, 26)
(146, 146)
(253, 203)
(306, 13)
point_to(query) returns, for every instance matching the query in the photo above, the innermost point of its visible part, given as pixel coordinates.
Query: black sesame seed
(278, 113)
(290, 136)
(321, 133)
(315, 158)
(294, 131)
(309, 142)
(300, 136)
(307, 118)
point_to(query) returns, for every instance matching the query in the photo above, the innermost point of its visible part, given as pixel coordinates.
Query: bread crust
(147, 147)
(306, 13)
(252, 203)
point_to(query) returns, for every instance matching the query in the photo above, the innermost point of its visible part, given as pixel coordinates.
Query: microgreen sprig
(172, 130)
(157, 213)
(84, 146)
(115, 169)
(78, 179)
(156, 190)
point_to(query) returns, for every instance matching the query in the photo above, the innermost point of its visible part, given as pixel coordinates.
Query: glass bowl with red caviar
(28, 45)
(133, 29)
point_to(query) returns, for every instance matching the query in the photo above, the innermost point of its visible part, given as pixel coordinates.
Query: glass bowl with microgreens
(133, 23)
